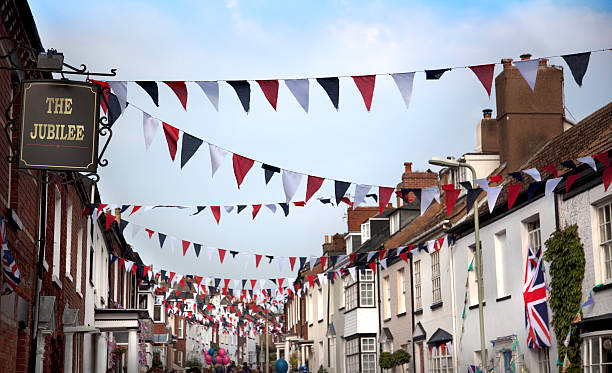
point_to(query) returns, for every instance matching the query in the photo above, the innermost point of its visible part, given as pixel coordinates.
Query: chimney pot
(525, 56)
(486, 113)
(543, 61)
(408, 166)
(507, 62)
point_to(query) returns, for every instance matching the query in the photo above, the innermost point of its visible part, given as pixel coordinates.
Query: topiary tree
(386, 360)
(565, 253)
(399, 358)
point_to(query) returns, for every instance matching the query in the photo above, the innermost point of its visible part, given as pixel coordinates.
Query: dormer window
(394, 223)
(365, 231)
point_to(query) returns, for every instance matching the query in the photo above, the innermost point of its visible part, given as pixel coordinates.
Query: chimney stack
(486, 133)
(486, 113)
(415, 179)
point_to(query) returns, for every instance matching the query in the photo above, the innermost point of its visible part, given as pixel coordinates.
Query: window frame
(436, 357)
(604, 244)
(401, 299)
(418, 296)
(436, 281)
(386, 298)
(180, 329)
(586, 351)
(365, 231)
(57, 234)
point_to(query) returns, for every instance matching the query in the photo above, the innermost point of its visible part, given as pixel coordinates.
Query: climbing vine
(566, 256)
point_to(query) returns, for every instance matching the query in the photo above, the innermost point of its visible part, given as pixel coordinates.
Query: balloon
(226, 359)
(208, 359)
(281, 366)
(221, 352)
(211, 351)
(219, 359)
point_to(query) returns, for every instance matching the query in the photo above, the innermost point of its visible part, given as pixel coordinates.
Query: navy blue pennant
(517, 175)
(472, 195)
(189, 147)
(243, 90)
(197, 247)
(162, 239)
(200, 209)
(340, 188)
(285, 207)
(578, 64)
(332, 88)
(239, 208)
(151, 88)
(435, 74)
(269, 171)
(533, 189)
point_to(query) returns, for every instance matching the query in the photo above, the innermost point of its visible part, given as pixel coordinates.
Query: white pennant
(217, 155)
(492, 192)
(149, 128)
(120, 90)
(551, 184)
(209, 251)
(383, 263)
(128, 265)
(427, 196)
(173, 243)
(529, 71)
(401, 249)
(237, 284)
(211, 89)
(352, 272)
(272, 207)
(299, 89)
(431, 246)
(177, 278)
(245, 258)
(136, 229)
(534, 173)
(588, 160)
(371, 254)
(291, 181)
(360, 194)
(404, 84)
(229, 209)
(321, 278)
(280, 261)
(313, 261)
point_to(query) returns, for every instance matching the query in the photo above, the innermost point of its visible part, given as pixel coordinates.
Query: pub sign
(59, 125)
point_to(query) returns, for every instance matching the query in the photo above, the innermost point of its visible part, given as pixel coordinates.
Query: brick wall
(359, 216)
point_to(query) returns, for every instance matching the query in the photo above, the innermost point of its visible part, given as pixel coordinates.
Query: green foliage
(321, 369)
(386, 360)
(566, 254)
(400, 357)
(293, 361)
(156, 362)
(193, 363)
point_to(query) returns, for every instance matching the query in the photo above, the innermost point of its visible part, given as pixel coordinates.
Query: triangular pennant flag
(136, 229)
(372, 266)
(242, 165)
(365, 84)
(185, 246)
(270, 90)
(269, 171)
(435, 74)
(292, 262)
(534, 173)
(150, 232)
(285, 207)
(114, 109)
(257, 259)
(404, 82)
(384, 195)
(588, 160)
(427, 196)
(517, 175)
(513, 192)
(360, 193)
(606, 177)
(578, 64)
(312, 185)
(216, 211)
(104, 92)
(570, 180)
(352, 272)
(122, 225)
(173, 243)
(196, 248)
(332, 88)
(110, 218)
(217, 155)
(211, 89)
(472, 195)
(291, 181)
(229, 209)
(221, 254)
(404, 257)
(550, 168)
(243, 90)
(323, 262)
(603, 158)
(119, 88)
(529, 70)
(200, 209)
(492, 195)
(272, 207)
(302, 261)
(451, 197)
(313, 261)
(172, 136)
(239, 208)
(484, 73)
(550, 186)
(383, 263)
(162, 239)
(340, 188)
(151, 88)
(190, 145)
(134, 209)
(256, 210)
(532, 189)
(299, 89)
(180, 90)
(333, 259)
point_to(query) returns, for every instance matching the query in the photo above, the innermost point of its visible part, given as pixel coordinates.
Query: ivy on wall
(566, 256)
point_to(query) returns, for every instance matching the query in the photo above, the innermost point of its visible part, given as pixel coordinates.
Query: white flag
(427, 196)
(217, 155)
(313, 261)
(136, 229)
(149, 128)
(299, 89)
(120, 90)
(229, 209)
(529, 71)
(534, 173)
(291, 181)
(352, 272)
(404, 84)
(492, 192)
(360, 194)
(551, 185)
(272, 207)
(211, 89)
(588, 160)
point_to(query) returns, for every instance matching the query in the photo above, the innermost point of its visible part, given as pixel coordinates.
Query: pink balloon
(221, 352)
(219, 359)
(208, 359)
(226, 359)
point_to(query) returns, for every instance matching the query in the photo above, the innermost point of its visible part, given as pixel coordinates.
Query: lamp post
(454, 164)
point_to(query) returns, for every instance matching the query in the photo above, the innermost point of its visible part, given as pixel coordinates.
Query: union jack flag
(536, 307)
(473, 368)
(12, 277)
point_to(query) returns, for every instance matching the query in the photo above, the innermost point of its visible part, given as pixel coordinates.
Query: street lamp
(436, 161)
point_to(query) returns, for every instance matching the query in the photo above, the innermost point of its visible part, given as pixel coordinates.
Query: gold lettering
(71, 132)
(49, 101)
(59, 102)
(42, 131)
(35, 132)
(62, 136)
(50, 132)
(68, 106)
(80, 135)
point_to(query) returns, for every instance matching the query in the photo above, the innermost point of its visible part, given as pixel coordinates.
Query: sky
(260, 39)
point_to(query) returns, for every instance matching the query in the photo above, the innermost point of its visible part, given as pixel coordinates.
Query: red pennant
(253, 283)
(323, 262)
(513, 192)
(185, 246)
(172, 135)
(451, 197)
(105, 92)
(352, 257)
(171, 277)
(280, 282)
(312, 185)
(199, 280)
(550, 168)
(121, 263)
(222, 254)
(242, 165)
(381, 254)
(603, 158)
(150, 232)
(484, 73)
(134, 209)
(209, 306)
(496, 178)
(257, 260)
(270, 90)
(216, 211)
(384, 195)
(347, 201)
(292, 261)
(180, 90)
(226, 281)
(606, 177)
(299, 203)
(440, 242)
(311, 280)
(109, 220)
(256, 210)
(372, 266)
(404, 256)
(145, 270)
(365, 84)
(570, 180)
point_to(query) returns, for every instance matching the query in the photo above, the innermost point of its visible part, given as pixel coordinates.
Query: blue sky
(234, 39)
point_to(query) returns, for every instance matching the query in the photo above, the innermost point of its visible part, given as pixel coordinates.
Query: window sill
(401, 314)
(418, 312)
(436, 305)
(505, 297)
(69, 277)
(474, 306)
(341, 308)
(57, 281)
(320, 321)
(387, 319)
(603, 287)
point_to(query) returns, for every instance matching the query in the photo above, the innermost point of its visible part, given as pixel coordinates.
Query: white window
(68, 237)
(351, 351)
(332, 353)
(351, 297)
(605, 239)
(368, 363)
(366, 275)
(180, 359)
(57, 233)
(418, 301)
(387, 295)
(320, 304)
(79, 269)
(394, 223)
(472, 285)
(440, 360)
(500, 253)
(596, 350)
(368, 345)
(157, 313)
(533, 230)
(312, 309)
(180, 328)
(342, 294)
(435, 277)
(365, 231)
(401, 288)
(544, 360)
(366, 294)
